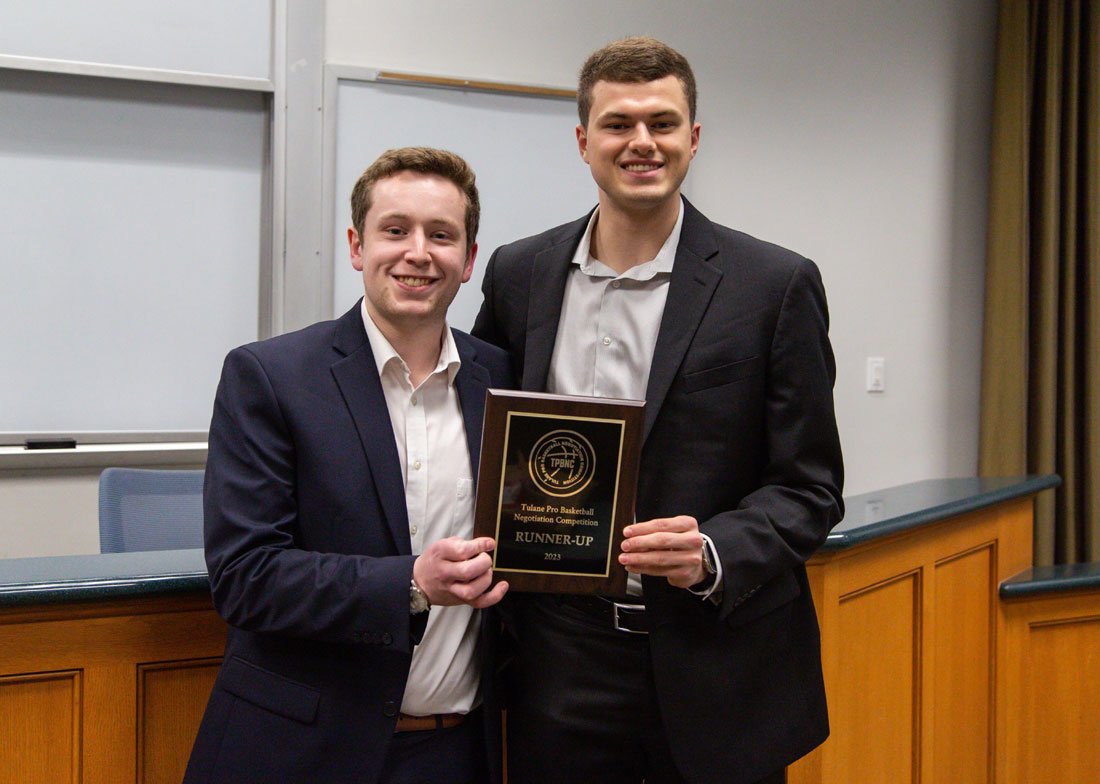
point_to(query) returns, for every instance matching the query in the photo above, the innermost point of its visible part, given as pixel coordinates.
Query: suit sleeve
(260, 579)
(782, 523)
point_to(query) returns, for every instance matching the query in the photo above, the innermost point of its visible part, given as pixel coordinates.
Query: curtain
(1040, 406)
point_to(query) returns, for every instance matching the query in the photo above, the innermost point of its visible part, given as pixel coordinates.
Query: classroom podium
(912, 629)
(106, 663)
(1048, 686)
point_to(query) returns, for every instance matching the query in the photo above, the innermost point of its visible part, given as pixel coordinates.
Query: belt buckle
(616, 606)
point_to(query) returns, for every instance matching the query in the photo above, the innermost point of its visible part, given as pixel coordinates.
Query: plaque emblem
(562, 463)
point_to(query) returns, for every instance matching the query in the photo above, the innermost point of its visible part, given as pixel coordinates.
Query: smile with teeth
(408, 280)
(642, 167)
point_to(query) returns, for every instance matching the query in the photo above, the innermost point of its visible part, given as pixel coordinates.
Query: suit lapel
(356, 375)
(690, 289)
(472, 381)
(549, 272)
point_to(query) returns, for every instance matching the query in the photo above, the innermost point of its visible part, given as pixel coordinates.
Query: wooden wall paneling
(964, 611)
(171, 698)
(168, 648)
(40, 727)
(109, 726)
(879, 633)
(912, 630)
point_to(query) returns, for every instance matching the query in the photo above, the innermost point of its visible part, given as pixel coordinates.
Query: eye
(394, 231)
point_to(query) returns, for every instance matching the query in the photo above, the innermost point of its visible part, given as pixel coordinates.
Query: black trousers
(564, 723)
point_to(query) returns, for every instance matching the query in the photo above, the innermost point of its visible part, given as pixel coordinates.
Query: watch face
(708, 564)
(418, 600)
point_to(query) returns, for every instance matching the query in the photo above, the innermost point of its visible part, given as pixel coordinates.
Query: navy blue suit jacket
(307, 544)
(740, 434)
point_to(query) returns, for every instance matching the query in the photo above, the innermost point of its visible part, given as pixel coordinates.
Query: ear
(695, 139)
(355, 249)
(469, 268)
(582, 143)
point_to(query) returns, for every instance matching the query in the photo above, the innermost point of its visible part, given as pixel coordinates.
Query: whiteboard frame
(134, 73)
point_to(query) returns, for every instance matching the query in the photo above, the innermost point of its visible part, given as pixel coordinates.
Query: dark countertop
(895, 509)
(66, 578)
(1052, 579)
(25, 581)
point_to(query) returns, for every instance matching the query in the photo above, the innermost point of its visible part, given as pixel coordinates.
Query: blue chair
(143, 509)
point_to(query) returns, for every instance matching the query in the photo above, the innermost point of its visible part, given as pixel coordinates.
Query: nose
(417, 251)
(641, 141)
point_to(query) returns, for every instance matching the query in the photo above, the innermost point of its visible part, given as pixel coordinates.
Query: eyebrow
(402, 216)
(653, 116)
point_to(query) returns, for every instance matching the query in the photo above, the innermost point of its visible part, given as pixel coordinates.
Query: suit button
(390, 709)
(387, 638)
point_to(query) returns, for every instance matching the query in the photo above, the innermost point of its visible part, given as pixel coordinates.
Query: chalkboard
(521, 146)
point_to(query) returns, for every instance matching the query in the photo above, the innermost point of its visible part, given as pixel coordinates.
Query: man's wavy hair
(634, 60)
(422, 160)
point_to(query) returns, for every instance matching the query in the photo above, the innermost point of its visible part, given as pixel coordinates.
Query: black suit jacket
(739, 433)
(307, 544)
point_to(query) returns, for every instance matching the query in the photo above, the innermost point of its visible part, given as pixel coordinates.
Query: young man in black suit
(339, 517)
(715, 674)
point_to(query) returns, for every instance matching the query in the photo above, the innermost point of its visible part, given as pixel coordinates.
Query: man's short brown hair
(633, 60)
(423, 160)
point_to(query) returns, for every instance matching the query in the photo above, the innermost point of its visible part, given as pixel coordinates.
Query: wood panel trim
(917, 663)
(97, 608)
(76, 676)
(143, 669)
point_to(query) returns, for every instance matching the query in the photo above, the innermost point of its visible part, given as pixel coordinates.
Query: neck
(623, 239)
(418, 344)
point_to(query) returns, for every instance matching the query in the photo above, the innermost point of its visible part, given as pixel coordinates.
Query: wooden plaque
(555, 488)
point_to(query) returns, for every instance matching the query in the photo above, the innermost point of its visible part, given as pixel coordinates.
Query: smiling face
(412, 251)
(638, 143)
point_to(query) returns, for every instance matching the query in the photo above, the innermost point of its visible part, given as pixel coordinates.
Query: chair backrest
(144, 509)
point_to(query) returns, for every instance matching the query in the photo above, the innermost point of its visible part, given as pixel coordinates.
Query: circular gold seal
(562, 463)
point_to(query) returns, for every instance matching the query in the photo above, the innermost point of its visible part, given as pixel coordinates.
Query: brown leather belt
(436, 721)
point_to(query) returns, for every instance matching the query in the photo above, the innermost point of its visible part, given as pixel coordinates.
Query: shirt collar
(384, 352)
(661, 263)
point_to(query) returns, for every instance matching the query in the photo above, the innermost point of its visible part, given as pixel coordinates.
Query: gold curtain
(1040, 407)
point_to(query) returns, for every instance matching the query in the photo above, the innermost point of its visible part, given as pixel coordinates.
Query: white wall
(855, 133)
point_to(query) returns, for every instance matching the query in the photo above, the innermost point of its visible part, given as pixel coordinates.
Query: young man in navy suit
(713, 672)
(339, 517)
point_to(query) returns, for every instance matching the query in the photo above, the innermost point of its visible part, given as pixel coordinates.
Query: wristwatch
(708, 561)
(710, 571)
(418, 600)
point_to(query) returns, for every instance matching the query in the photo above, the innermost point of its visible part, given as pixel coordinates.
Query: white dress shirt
(608, 330)
(435, 463)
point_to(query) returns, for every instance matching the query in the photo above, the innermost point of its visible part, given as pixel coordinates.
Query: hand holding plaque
(556, 486)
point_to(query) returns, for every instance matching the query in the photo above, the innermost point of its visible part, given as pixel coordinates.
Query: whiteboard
(131, 254)
(522, 148)
(207, 36)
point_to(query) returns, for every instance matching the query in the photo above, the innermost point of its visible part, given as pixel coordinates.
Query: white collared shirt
(608, 330)
(609, 322)
(435, 463)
